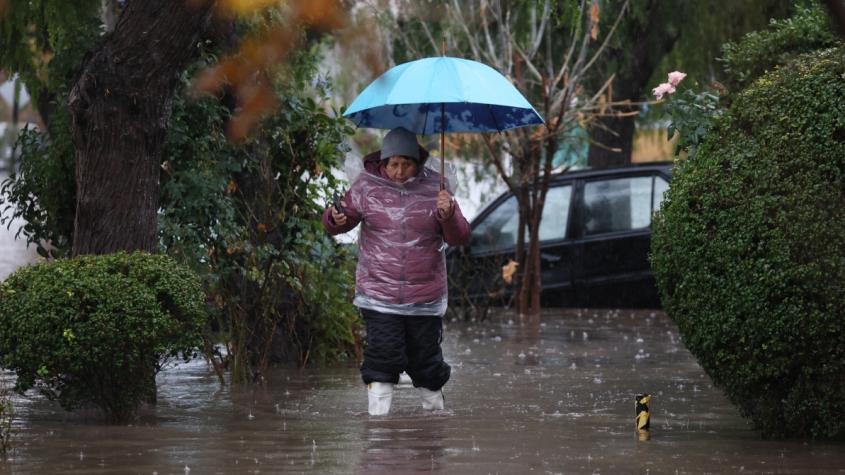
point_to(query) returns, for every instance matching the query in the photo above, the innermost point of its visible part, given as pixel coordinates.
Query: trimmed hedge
(95, 329)
(749, 250)
(761, 51)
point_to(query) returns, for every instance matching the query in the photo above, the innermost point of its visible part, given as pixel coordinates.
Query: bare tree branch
(491, 49)
(524, 56)
(455, 9)
(429, 36)
(565, 66)
(608, 36)
(539, 33)
(497, 161)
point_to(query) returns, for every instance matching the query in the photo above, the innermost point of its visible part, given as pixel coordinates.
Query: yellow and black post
(642, 404)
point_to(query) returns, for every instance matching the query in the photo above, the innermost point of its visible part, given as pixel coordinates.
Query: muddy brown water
(551, 397)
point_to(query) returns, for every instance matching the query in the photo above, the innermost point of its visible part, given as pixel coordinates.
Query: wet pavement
(556, 396)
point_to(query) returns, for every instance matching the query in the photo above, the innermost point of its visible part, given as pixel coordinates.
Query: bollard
(642, 402)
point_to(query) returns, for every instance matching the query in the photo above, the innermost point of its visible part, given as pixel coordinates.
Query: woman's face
(399, 169)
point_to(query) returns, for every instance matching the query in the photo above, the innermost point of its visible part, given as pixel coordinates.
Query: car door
(556, 247)
(613, 237)
(476, 269)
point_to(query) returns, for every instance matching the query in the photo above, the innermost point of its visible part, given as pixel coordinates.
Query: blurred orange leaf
(249, 71)
(508, 270)
(241, 7)
(594, 20)
(322, 14)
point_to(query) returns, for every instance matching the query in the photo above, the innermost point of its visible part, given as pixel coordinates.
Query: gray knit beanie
(400, 141)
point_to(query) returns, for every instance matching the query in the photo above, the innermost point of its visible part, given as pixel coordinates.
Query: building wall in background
(651, 145)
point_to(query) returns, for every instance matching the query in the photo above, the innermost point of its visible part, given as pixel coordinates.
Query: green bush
(760, 51)
(96, 329)
(749, 250)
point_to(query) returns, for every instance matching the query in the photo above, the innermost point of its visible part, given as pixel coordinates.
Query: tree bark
(119, 109)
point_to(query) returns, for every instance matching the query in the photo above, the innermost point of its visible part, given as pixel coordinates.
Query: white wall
(13, 253)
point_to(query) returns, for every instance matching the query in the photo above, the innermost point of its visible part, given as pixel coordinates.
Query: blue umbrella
(442, 94)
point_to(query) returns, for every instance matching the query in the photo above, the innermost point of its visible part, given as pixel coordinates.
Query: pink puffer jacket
(401, 259)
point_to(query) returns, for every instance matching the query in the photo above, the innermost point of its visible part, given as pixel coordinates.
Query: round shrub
(96, 329)
(749, 250)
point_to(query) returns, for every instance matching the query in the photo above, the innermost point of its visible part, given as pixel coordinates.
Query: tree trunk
(520, 276)
(119, 108)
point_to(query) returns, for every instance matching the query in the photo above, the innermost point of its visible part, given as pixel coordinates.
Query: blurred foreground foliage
(749, 247)
(246, 217)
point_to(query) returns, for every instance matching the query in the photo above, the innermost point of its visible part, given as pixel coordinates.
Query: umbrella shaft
(442, 146)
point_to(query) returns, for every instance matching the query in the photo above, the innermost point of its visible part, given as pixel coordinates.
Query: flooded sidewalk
(552, 397)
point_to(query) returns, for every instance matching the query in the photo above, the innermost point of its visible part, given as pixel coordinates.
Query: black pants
(410, 343)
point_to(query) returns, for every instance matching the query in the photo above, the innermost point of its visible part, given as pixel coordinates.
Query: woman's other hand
(338, 217)
(445, 204)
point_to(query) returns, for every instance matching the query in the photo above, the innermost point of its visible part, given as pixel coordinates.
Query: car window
(619, 204)
(660, 188)
(497, 231)
(555, 213)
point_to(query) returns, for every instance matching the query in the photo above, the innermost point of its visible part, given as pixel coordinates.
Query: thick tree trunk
(120, 107)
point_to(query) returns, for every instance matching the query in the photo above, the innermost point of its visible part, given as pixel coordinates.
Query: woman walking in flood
(401, 287)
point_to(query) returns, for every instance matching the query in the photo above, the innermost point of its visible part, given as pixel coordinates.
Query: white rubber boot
(431, 400)
(405, 380)
(380, 395)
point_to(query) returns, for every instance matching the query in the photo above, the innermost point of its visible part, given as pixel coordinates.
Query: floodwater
(556, 396)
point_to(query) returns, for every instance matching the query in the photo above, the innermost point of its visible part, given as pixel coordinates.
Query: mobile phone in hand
(336, 202)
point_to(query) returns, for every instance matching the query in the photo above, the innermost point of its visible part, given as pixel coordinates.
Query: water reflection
(555, 397)
(397, 445)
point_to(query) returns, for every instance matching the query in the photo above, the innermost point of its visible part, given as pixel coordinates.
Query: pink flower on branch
(676, 77)
(663, 89)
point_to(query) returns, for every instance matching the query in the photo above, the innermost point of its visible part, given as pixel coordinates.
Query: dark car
(595, 236)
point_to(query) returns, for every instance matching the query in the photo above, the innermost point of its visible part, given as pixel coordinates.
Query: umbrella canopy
(442, 94)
